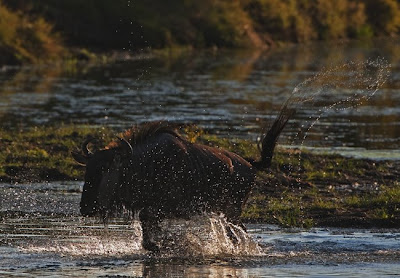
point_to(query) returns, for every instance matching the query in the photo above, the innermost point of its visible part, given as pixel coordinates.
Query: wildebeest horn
(85, 149)
(125, 144)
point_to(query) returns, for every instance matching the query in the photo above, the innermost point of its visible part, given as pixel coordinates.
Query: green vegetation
(43, 153)
(304, 189)
(100, 25)
(302, 21)
(301, 188)
(25, 39)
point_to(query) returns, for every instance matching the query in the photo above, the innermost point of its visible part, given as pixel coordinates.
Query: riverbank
(301, 188)
(34, 31)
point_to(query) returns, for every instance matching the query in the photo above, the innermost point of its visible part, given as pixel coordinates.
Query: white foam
(105, 242)
(206, 235)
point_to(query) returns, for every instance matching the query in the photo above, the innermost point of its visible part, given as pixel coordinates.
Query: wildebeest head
(103, 171)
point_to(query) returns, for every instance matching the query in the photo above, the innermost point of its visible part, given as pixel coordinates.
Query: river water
(42, 235)
(229, 94)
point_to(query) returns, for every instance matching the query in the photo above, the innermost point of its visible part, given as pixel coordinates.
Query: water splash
(206, 235)
(90, 240)
(343, 87)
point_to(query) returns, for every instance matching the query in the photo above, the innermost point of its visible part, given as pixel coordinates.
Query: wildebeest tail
(268, 143)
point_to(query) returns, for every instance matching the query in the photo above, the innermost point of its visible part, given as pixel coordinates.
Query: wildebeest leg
(233, 216)
(149, 226)
(240, 224)
(231, 234)
(233, 213)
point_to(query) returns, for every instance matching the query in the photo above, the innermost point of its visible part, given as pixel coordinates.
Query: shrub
(384, 16)
(26, 39)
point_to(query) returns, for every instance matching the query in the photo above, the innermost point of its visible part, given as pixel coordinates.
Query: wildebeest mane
(139, 134)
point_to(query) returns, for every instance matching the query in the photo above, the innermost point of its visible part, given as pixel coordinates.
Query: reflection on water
(230, 93)
(37, 242)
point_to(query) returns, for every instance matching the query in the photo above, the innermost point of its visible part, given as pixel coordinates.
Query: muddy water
(42, 235)
(231, 93)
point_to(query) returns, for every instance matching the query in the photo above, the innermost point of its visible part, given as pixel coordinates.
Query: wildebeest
(155, 170)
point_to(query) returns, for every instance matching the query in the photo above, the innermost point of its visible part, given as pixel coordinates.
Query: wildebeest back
(178, 177)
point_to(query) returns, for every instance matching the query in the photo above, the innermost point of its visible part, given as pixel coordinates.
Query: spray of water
(332, 90)
(206, 235)
(91, 240)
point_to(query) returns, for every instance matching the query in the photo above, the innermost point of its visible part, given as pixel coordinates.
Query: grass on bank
(303, 189)
(43, 153)
(300, 189)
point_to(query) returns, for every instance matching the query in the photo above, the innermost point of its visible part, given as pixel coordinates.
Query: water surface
(231, 93)
(42, 234)
(227, 93)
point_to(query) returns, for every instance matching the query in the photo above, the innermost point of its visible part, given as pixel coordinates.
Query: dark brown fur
(157, 171)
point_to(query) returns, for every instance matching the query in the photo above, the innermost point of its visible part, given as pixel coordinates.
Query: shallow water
(42, 234)
(231, 93)
(228, 93)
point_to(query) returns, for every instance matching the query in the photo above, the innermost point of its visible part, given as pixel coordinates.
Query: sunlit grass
(319, 187)
(43, 153)
(385, 196)
(24, 39)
